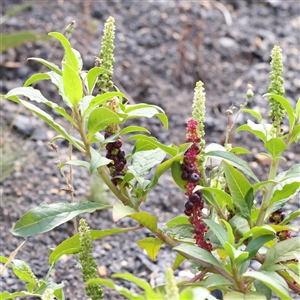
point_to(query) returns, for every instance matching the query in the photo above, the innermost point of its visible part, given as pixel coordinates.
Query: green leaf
(120, 211)
(240, 150)
(233, 160)
(179, 220)
(258, 130)
(240, 296)
(92, 77)
(273, 281)
(48, 64)
(182, 233)
(102, 99)
(147, 111)
(176, 174)
(218, 230)
(224, 197)
(70, 57)
(215, 280)
(163, 167)
(99, 119)
(275, 146)
(121, 290)
(282, 251)
(285, 190)
(257, 231)
(76, 162)
(72, 85)
(130, 129)
(263, 289)
(194, 252)
(97, 160)
(7, 295)
(47, 118)
(142, 162)
(239, 187)
(35, 95)
(72, 244)
(237, 256)
(287, 106)
(178, 260)
(18, 38)
(145, 219)
(257, 243)
(230, 234)
(239, 225)
(45, 217)
(151, 245)
(293, 172)
(149, 292)
(296, 132)
(153, 141)
(36, 77)
(20, 268)
(249, 198)
(254, 113)
(291, 216)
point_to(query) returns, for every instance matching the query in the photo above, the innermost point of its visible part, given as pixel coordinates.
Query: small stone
(107, 246)
(263, 160)
(102, 271)
(24, 124)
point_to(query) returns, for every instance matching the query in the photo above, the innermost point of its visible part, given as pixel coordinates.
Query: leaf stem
(267, 195)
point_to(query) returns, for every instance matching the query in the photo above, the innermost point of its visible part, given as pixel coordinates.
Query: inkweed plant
(231, 218)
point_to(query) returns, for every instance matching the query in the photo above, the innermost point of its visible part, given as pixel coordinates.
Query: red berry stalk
(190, 173)
(114, 152)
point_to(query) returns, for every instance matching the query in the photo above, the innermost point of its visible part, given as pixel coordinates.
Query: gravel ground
(162, 49)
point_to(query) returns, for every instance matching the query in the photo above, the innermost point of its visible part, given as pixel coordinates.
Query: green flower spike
(276, 87)
(89, 266)
(172, 292)
(198, 113)
(106, 56)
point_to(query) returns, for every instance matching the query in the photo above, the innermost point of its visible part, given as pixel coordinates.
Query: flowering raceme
(191, 173)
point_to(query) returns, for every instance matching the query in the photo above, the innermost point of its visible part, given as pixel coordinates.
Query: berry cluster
(277, 217)
(190, 173)
(114, 152)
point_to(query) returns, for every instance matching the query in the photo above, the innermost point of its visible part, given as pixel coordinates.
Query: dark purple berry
(184, 175)
(121, 154)
(123, 160)
(194, 198)
(189, 205)
(107, 135)
(187, 212)
(118, 173)
(120, 166)
(199, 193)
(183, 167)
(197, 230)
(108, 155)
(196, 147)
(190, 168)
(194, 177)
(118, 144)
(201, 203)
(109, 147)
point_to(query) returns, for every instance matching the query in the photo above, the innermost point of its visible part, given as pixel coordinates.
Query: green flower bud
(89, 266)
(172, 292)
(106, 55)
(198, 113)
(276, 87)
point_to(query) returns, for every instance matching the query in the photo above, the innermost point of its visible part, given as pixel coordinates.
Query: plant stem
(267, 196)
(103, 169)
